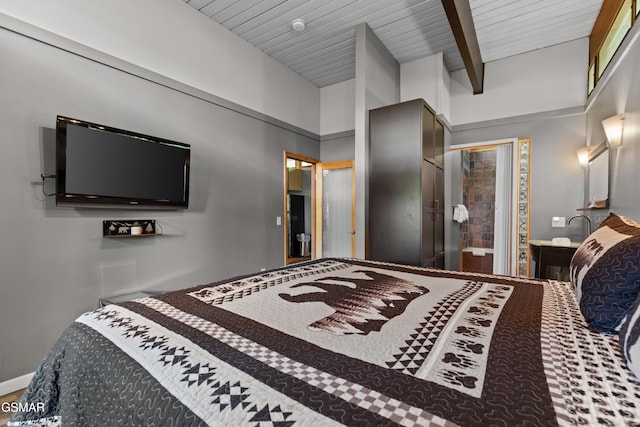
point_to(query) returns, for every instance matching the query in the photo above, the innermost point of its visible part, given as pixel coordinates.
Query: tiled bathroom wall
(479, 196)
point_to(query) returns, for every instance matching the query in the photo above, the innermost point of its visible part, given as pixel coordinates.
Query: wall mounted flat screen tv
(100, 166)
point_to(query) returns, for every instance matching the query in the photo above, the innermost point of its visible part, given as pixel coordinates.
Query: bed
(340, 342)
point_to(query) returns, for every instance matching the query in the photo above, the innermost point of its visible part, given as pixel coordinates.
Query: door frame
(319, 168)
(512, 261)
(285, 221)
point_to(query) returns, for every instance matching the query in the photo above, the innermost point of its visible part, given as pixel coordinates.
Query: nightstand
(546, 255)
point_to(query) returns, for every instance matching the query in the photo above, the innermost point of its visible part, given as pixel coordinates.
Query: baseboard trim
(15, 384)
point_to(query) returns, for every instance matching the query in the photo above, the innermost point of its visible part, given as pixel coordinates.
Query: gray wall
(54, 262)
(557, 180)
(377, 85)
(620, 93)
(337, 147)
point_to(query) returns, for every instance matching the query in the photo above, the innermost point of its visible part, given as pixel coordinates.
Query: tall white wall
(377, 85)
(175, 40)
(337, 107)
(543, 80)
(427, 78)
(619, 92)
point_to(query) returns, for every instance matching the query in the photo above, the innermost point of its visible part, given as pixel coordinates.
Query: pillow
(605, 271)
(630, 339)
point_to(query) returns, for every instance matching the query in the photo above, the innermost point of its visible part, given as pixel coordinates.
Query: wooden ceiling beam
(461, 23)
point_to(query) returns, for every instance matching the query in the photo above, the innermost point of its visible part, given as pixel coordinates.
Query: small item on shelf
(136, 229)
(598, 204)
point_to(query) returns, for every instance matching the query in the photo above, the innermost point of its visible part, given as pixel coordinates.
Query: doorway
(486, 192)
(494, 181)
(299, 202)
(319, 207)
(336, 195)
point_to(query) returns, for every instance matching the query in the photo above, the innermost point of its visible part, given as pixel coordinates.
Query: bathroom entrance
(485, 214)
(477, 233)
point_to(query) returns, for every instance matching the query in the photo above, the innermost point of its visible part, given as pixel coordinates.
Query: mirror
(598, 191)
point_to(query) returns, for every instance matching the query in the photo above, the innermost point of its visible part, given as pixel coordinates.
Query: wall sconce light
(583, 156)
(613, 127)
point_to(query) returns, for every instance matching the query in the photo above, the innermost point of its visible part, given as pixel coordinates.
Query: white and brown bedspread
(339, 342)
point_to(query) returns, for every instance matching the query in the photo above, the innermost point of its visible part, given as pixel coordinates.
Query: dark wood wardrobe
(406, 185)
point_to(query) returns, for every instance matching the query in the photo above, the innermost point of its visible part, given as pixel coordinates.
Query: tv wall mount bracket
(45, 177)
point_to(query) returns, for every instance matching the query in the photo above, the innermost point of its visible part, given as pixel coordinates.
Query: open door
(335, 209)
(299, 207)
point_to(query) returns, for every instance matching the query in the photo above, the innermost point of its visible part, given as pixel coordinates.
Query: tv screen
(102, 166)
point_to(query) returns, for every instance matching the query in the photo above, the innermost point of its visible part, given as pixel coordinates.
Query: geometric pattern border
(227, 292)
(354, 393)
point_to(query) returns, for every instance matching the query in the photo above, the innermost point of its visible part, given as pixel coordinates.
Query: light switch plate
(558, 221)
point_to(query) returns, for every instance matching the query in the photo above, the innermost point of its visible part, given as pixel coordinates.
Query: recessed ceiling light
(298, 25)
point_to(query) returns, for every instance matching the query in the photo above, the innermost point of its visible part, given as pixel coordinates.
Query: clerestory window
(612, 25)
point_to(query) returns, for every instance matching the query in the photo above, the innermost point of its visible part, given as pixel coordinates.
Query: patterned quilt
(338, 342)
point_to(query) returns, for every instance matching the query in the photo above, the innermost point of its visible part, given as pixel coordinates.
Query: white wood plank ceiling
(324, 53)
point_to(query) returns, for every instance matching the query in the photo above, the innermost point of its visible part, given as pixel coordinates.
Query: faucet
(582, 216)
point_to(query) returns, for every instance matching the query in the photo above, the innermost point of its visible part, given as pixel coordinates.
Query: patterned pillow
(605, 271)
(630, 339)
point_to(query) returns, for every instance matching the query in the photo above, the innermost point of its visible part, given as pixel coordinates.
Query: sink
(560, 241)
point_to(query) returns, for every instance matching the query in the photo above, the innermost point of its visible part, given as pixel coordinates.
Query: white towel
(460, 213)
(478, 251)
